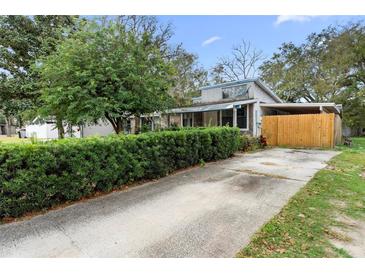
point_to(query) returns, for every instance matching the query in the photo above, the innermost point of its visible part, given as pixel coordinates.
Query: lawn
(13, 139)
(305, 225)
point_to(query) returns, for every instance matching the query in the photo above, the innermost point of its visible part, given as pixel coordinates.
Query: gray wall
(101, 129)
(211, 95)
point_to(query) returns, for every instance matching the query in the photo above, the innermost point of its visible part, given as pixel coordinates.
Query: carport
(300, 108)
(302, 124)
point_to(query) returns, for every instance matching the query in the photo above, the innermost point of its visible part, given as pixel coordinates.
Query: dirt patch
(338, 204)
(352, 236)
(363, 175)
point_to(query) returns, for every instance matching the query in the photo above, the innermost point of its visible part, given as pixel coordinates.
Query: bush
(42, 175)
(249, 143)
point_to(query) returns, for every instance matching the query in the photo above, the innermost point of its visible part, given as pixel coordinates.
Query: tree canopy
(328, 67)
(23, 39)
(106, 71)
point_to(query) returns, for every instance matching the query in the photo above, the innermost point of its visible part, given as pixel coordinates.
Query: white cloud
(211, 40)
(292, 18)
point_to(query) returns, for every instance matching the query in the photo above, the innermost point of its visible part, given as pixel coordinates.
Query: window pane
(198, 119)
(187, 119)
(242, 117)
(227, 117)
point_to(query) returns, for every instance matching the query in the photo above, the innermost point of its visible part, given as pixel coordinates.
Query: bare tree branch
(241, 65)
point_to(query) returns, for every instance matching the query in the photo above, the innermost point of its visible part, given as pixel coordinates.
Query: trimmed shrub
(42, 175)
(249, 143)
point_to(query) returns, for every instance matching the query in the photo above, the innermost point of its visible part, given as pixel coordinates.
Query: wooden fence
(305, 130)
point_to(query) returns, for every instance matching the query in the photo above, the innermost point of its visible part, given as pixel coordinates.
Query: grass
(12, 139)
(303, 227)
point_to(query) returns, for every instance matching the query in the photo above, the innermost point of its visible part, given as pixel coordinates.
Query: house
(243, 104)
(46, 129)
(7, 126)
(240, 104)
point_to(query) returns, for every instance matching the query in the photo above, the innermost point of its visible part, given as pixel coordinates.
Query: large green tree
(189, 77)
(328, 67)
(107, 71)
(23, 39)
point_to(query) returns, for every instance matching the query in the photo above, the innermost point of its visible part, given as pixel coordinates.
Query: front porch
(234, 114)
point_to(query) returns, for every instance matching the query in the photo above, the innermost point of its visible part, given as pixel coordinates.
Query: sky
(211, 37)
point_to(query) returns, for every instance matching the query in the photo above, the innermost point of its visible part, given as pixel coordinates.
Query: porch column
(181, 120)
(220, 118)
(234, 117)
(192, 119)
(254, 119)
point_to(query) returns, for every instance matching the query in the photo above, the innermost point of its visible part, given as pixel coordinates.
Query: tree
(23, 39)
(189, 77)
(241, 65)
(328, 67)
(105, 71)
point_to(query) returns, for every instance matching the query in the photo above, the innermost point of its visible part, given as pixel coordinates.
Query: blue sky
(267, 33)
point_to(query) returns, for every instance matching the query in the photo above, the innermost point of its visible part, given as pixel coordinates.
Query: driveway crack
(250, 171)
(73, 243)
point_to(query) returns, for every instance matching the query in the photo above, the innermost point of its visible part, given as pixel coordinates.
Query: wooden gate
(305, 130)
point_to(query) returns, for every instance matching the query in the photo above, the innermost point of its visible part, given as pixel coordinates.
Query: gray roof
(212, 107)
(245, 81)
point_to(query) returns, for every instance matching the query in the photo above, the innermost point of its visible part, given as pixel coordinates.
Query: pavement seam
(73, 243)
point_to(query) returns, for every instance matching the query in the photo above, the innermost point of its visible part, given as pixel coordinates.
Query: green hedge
(41, 175)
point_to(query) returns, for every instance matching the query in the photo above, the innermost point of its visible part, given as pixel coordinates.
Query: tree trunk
(60, 128)
(8, 126)
(119, 125)
(20, 121)
(137, 126)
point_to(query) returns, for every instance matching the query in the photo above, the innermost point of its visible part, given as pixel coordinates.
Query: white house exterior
(240, 104)
(235, 104)
(45, 129)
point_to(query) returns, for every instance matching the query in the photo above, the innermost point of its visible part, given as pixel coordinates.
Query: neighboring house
(348, 131)
(7, 127)
(46, 129)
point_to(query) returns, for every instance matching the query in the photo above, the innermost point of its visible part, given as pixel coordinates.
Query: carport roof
(303, 108)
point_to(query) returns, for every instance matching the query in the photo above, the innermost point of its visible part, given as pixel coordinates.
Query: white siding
(48, 131)
(41, 131)
(259, 93)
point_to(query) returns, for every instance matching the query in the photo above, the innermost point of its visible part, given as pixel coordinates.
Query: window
(187, 119)
(198, 119)
(227, 117)
(127, 126)
(146, 124)
(235, 91)
(242, 117)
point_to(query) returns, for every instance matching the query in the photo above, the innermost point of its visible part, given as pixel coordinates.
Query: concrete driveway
(209, 211)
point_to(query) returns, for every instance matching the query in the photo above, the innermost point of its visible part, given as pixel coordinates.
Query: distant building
(7, 127)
